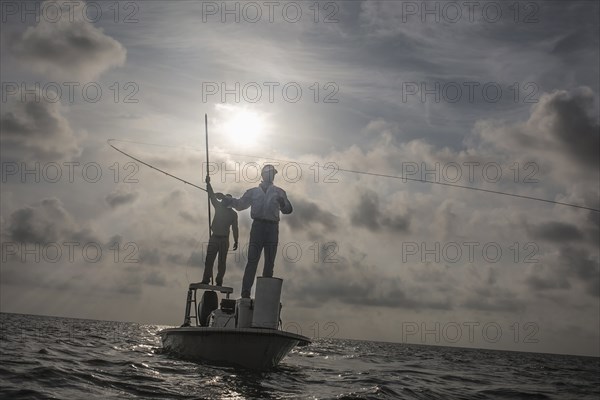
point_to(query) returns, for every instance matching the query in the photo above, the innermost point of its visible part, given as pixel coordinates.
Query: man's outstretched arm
(239, 204)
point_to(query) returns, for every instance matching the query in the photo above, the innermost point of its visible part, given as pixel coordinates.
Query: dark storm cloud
(579, 263)
(46, 221)
(545, 281)
(68, 49)
(368, 214)
(593, 229)
(22, 227)
(307, 214)
(572, 264)
(36, 130)
(572, 122)
(563, 123)
(118, 198)
(556, 232)
(575, 42)
(582, 265)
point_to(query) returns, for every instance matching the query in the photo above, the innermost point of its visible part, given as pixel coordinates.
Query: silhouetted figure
(266, 201)
(218, 244)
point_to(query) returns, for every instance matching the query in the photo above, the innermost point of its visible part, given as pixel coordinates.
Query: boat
(244, 332)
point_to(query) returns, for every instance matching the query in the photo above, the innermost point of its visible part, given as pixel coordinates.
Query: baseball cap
(268, 168)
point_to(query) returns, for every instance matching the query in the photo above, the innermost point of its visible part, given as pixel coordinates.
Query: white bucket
(243, 309)
(266, 303)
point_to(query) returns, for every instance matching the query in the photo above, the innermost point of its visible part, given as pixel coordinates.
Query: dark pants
(216, 245)
(263, 235)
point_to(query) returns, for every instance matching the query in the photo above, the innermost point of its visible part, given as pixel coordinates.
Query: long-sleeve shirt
(263, 201)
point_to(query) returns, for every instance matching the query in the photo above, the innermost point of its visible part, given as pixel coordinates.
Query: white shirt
(264, 204)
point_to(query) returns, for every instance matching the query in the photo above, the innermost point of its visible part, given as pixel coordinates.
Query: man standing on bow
(266, 201)
(219, 239)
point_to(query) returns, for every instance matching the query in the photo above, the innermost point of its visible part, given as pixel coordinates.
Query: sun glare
(244, 127)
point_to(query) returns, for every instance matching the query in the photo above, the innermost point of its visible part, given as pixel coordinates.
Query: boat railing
(192, 300)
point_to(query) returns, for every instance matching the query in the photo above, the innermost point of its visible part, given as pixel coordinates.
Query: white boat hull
(253, 348)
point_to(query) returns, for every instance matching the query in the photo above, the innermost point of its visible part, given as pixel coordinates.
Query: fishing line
(151, 166)
(326, 167)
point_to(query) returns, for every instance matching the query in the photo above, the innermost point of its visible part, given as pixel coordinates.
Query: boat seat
(208, 304)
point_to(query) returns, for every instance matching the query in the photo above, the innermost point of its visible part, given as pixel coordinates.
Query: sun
(244, 127)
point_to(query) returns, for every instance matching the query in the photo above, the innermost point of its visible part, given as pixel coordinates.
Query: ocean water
(62, 358)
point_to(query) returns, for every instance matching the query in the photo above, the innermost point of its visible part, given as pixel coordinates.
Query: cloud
(69, 49)
(572, 263)
(593, 228)
(542, 278)
(556, 232)
(119, 197)
(190, 218)
(571, 123)
(494, 298)
(196, 259)
(126, 284)
(151, 257)
(43, 222)
(155, 278)
(307, 214)
(175, 259)
(579, 263)
(36, 130)
(368, 214)
(563, 123)
(348, 279)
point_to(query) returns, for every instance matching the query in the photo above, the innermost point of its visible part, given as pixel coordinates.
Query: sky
(501, 96)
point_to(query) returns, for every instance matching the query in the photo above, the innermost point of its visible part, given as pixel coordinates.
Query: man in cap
(266, 201)
(219, 239)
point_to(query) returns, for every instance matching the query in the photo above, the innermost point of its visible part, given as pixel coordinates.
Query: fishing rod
(380, 175)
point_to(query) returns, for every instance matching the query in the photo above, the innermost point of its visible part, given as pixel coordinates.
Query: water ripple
(46, 357)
